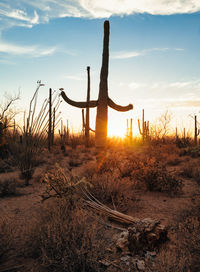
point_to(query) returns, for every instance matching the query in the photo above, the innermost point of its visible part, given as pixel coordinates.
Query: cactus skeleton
(103, 100)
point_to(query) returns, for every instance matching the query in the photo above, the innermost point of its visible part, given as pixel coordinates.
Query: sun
(117, 127)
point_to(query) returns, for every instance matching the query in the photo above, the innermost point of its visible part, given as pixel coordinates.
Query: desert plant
(191, 170)
(62, 183)
(157, 178)
(108, 185)
(63, 239)
(144, 130)
(185, 252)
(103, 100)
(7, 186)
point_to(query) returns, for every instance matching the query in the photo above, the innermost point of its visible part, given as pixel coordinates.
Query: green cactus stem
(103, 99)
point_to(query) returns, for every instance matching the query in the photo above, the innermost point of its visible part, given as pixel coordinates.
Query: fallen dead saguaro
(141, 234)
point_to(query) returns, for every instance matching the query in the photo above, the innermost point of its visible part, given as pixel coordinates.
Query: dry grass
(63, 239)
(7, 186)
(108, 187)
(184, 251)
(191, 170)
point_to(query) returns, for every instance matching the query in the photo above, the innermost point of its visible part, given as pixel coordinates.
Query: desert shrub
(26, 157)
(63, 239)
(151, 172)
(181, 142)
(108, 185)
(5, 166)
(191, 170)
(74, 161)
(193, 151)
(184, 254)
(75, 140)
(157, 178)
(110, 189)
(7, 186)
(173, 159)
(61, 183)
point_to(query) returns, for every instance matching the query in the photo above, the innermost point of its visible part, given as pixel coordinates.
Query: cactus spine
(145, 127)
(103, 100)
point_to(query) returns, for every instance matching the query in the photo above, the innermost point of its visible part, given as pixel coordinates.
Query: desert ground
(49, 222)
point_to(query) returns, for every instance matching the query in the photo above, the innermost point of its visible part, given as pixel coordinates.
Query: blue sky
(154, 54)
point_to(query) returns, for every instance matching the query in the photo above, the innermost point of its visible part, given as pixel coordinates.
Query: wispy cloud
(20, 15)
(171, 102)
(41, 11)
(185, 104)
(133, 54)
(36, 51)
(126, 55)
(106, 8)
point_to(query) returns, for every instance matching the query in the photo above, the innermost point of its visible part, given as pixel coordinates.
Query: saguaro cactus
(196, 130)
(144, 131)
(129, 131)
(50, 120)
(103, 100)
(87, 119)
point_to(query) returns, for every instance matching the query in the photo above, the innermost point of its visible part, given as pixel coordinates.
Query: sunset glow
(154, 53)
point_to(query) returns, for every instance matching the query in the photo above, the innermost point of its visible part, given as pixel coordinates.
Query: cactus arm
(139, 127)
(91, 104)
(118, 107)
(91, 129)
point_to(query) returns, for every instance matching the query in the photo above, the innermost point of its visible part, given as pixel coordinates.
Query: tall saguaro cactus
(103, 100)
(87, 119)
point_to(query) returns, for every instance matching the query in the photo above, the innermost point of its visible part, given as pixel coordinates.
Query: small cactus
(196, 130)
(144, 131)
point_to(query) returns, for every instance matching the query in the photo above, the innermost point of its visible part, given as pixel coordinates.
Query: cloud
(171, 102)
(133, 54)
(135, 85)
(125, 55)
(185, 104)
(8, 48)
(104, 8)
(20, 15)
(41, 11)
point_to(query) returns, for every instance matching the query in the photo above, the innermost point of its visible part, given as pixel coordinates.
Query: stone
(122, 243)
(141, 265)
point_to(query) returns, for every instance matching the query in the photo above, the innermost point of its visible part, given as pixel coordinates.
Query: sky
(154, 55)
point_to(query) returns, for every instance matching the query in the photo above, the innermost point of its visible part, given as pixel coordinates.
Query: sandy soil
(22, 206)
